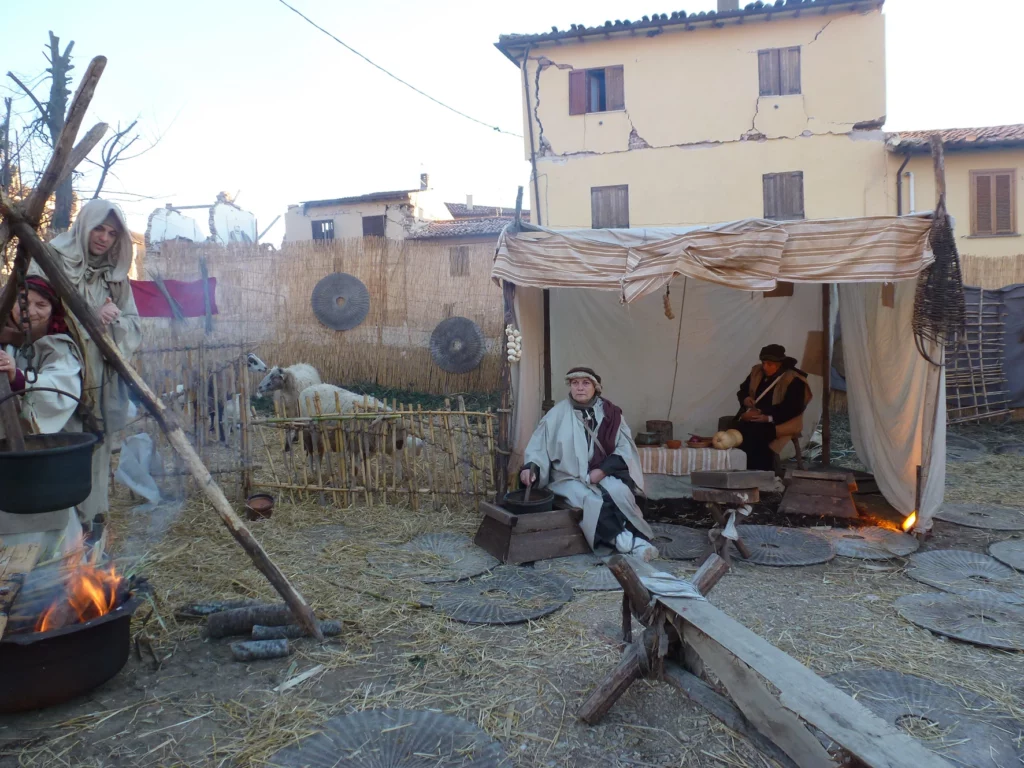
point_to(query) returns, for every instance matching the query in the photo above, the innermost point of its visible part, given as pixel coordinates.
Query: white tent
(607, 312)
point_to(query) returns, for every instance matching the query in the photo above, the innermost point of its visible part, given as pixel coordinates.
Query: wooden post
(244, 405)
(49, 260)
(9, 417)
(826, 376)
(939, 165)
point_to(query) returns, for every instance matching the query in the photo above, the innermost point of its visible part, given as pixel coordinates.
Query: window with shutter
(373, 226)
(993, 203)
(596, 90)
(778, 71)
(783, 195)
(458, 261)
(609, 207)
(323, 229)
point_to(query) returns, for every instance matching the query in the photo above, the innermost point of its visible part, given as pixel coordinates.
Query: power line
(396, 77)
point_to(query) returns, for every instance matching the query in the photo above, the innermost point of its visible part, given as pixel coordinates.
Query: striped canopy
(752, 254)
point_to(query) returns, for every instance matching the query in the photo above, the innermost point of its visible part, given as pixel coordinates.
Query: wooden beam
(634, 664)
(849, 723)
(939, 166)
(82, 150)
(709, 574)
(633, 589)
(49, 260)
(826, 376)
(9, 417)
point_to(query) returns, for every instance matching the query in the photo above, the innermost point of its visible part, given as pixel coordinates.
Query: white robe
(58, 365)
(559, 448)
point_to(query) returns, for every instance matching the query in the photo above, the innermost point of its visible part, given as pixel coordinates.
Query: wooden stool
(713, 499)
(536, 536)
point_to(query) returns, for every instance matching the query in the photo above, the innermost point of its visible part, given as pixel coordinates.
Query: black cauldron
(541, 500)
(53, 472)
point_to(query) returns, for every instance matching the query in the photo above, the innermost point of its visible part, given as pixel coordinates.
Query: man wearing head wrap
(772, 399)
(583, 451)
(96, 254)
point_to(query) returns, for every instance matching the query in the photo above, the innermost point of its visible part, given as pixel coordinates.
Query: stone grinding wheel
(393, 738)
(435, 557)
(977, 618)
(678, 542)
(965, 728)
(506, 595)
(1009, 552)
(959, 571)
(587, 573)
(960, 448)
(1010, 449)
(457, 345)
(987, 516)
(775, 546)
(871, 543)
(341, 301)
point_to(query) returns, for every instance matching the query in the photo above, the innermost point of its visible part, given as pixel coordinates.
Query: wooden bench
(684, 639)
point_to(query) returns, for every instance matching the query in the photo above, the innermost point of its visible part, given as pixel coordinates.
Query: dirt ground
(521, 684)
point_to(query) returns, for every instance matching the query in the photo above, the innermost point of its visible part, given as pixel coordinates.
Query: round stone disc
(976, 618)
(871, 543)
(1010, 449)
(965, 728)
(959, 571)
(678, 542)
(506, 595)
(435, 557)
(772, 545)
(1009, 552)
(960, 448)
(457, 345)
(988, 516)
(587, 573)
(340, 301)
(393, 738)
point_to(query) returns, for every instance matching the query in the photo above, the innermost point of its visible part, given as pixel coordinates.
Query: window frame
(992, 173)
(613, 90)
(780, 64)
(322, 229)
(458, 261)
(785, 215)
(382, 218)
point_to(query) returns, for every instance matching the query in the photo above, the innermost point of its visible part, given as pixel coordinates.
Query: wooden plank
(15, 561)
(779, 725)
(810, 474)
(818, 506)
(545, 545)
(495, 512)
(721, 496)
(631, 668)
(849, 723)
(493, 538)
(547, 521)
(741, 479)
(837, 490)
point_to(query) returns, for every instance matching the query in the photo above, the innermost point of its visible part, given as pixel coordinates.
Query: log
(291, 631)
(260, 650)
(701, 694)
(240, 621)
(632, 667)
(632, 588)
(49, 260)
(709, 574)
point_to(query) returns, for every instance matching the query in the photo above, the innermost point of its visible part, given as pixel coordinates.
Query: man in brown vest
(773, 399)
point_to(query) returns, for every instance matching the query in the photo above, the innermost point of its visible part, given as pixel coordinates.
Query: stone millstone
(1009, 552)
(987, 516)
(677, 542)
(770, 545)
(506, 595)
(871, 543)
(959, 571)
(960, 448)
(435, 557)
(587, 573)
(976, 618)
(340, 301)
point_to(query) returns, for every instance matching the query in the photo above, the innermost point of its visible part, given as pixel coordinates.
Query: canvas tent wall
(607, 312)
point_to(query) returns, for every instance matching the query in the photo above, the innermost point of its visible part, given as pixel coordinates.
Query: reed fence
(992, 272)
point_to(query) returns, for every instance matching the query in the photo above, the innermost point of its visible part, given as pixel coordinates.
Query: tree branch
(25, 88)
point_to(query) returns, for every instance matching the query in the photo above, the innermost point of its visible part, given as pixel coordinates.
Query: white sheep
(255, 364)
(289, 382)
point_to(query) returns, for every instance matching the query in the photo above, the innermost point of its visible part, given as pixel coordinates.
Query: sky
(244, 96)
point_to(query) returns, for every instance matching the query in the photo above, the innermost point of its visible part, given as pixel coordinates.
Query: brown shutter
(578, 92)
(789, 71)
(615, 96)
(771, 197)
(609, 207)
(768, 72)
(794, 195)
(1003, 203)
(983, 204)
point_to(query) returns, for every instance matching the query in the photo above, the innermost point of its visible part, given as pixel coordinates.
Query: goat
(255, 364)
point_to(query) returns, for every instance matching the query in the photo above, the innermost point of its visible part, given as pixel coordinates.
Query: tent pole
(826, 375)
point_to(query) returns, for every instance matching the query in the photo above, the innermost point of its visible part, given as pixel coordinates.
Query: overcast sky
(247, 97)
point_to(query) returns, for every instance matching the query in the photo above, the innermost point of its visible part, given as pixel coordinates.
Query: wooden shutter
(609, 207)
(768, 72)
(793, 195)
(458, 261)
(772, 206)
(982, 208)
(578, 92)
(373, 226)
(1004, 203)
(789, 71)
(615, 95)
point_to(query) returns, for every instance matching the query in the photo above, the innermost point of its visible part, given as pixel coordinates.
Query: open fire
(88, 594)
(908, 524)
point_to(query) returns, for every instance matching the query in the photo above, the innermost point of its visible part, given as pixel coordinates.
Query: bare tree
(113, 151)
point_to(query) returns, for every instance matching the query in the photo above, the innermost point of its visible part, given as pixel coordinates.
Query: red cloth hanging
(151, 302)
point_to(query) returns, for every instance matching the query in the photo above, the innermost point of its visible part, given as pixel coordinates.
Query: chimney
(469, 203)
(424, 181)
(728, 5)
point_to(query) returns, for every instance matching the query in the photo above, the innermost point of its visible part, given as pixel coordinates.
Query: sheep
(255, 364)
(232, 414)
(286, 384)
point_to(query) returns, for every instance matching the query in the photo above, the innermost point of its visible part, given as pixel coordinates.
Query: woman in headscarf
(96, 256)
(57, 363)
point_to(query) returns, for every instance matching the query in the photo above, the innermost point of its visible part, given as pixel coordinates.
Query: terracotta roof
(463, 211)
(959, 138)
(466, 228)
(372, 197)
(653, 25)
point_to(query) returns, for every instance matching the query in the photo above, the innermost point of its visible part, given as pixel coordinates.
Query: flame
(908, 524)
(90, 593)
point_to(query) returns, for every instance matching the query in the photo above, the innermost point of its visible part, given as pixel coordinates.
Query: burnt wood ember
(240, 621)
(260, 650)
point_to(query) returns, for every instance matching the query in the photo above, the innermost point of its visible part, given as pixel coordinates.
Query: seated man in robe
(583, 451)
(773, 399)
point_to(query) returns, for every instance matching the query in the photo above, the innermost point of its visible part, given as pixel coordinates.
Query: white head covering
(73, 245)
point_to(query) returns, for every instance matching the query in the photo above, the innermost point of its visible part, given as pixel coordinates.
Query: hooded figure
(58, 365)
(96, 256)
(583, 450)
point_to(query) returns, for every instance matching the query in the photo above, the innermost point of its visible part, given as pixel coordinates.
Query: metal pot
(541, 500)
(53, 472)
(40, 669)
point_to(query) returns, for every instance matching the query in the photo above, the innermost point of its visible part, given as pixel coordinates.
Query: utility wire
(396, 77)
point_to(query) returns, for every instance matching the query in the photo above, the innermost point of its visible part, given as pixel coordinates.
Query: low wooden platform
(820, 494)
(685, 639)
(527, 538)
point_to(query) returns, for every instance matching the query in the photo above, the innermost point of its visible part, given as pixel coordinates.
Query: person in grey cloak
(583, 451)
(96, 254)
